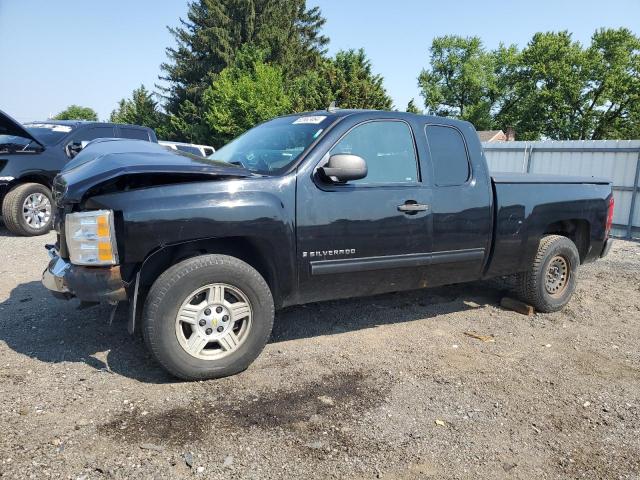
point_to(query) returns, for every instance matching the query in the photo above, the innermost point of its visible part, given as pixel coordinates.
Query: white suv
(200, 150)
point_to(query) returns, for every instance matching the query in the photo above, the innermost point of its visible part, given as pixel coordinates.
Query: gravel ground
(387, 387)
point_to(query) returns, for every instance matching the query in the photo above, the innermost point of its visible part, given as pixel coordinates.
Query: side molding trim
(366, 264)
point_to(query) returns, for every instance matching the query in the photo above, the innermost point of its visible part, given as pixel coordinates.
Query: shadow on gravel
(339, 316)
(35, 324)
(3, 230)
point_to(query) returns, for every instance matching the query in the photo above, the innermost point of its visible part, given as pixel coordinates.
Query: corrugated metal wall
(616, 160)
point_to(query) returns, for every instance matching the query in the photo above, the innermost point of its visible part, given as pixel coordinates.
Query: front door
(370, 235)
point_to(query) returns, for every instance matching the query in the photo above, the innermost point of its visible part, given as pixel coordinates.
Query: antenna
(332, 107)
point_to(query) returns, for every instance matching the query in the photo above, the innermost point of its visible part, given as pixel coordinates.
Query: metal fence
(616, 160)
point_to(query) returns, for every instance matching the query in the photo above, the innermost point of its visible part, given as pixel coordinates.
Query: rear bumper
(607, 246)
(89, 284)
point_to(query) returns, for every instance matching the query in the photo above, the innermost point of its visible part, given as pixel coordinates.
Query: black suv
(32, 154)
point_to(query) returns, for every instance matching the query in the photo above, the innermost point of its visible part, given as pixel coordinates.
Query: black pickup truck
(305, 208)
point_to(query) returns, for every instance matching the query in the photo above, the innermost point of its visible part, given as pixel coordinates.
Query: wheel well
(577, 230)
(33, 178)
(249, 250)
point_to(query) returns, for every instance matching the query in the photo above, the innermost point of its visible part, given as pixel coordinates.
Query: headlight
(90, 238)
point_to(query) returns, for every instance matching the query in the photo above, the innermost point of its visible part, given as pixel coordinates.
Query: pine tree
(347, 79)
(215, 30)
(413, 108)
(140, 109)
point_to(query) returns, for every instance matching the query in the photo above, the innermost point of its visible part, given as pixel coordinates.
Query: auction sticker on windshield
(312, 119)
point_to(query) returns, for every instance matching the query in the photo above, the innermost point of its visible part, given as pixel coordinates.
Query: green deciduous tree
(140, 109)
(243, 95)
(461, 80)
(565, 91)
(76, 112)
(554, 88)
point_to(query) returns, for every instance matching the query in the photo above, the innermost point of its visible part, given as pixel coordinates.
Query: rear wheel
(27, 209)
(208, 317)
(551, 279)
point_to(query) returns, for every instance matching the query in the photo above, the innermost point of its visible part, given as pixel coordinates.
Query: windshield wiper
(20, 147)
(10, 146)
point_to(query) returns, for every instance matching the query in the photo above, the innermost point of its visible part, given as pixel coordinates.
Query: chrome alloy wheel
(557, 277)
(36, 210)
(213, 321)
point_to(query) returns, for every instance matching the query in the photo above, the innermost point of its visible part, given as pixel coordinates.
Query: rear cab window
(448, 155)
(134, 133)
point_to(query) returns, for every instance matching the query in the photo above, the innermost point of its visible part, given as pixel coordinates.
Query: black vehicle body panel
(107, 159)
(41, 165)
(303, 225)
(525, 211)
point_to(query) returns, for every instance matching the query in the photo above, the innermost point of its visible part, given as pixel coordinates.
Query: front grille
(58, 225)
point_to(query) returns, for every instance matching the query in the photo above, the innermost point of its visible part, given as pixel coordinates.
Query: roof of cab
(77, 123)
(345, 112)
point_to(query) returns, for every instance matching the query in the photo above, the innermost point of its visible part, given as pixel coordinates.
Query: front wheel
(551, 279)
(208, 317)
(27, 210)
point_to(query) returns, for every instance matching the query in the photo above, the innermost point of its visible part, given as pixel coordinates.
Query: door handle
(412, 208)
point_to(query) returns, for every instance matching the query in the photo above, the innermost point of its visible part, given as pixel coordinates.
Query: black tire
(12, 210)
(171, 289)
(532, 286)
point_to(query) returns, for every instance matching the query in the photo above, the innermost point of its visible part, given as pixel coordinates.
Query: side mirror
(74, 148)
(343, 167)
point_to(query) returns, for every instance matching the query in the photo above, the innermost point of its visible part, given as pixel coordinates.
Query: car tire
(167, 325)
(550, 281)
(27, 210)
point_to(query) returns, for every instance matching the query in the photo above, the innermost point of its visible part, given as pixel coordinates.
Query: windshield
(47, 133)
(270, 148)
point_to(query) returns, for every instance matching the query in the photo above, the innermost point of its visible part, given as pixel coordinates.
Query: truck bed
(527, 207)
(528, 178)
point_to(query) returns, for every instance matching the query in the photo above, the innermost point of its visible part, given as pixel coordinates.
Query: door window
(448, 155)
(388, 149)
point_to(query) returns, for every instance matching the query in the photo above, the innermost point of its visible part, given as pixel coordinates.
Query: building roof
(491, 135)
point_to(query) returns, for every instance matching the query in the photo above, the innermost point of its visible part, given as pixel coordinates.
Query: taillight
(607, 227)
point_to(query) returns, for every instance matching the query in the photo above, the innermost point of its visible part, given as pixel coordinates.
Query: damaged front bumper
(89, 284)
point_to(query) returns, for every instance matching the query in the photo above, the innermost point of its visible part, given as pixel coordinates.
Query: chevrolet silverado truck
(31, 155)
(305, 208)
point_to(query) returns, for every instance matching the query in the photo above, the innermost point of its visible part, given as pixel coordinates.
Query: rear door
(360, 238)
(461, 207)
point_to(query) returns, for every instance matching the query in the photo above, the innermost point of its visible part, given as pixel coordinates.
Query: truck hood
(9, 126)
(111, 161)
